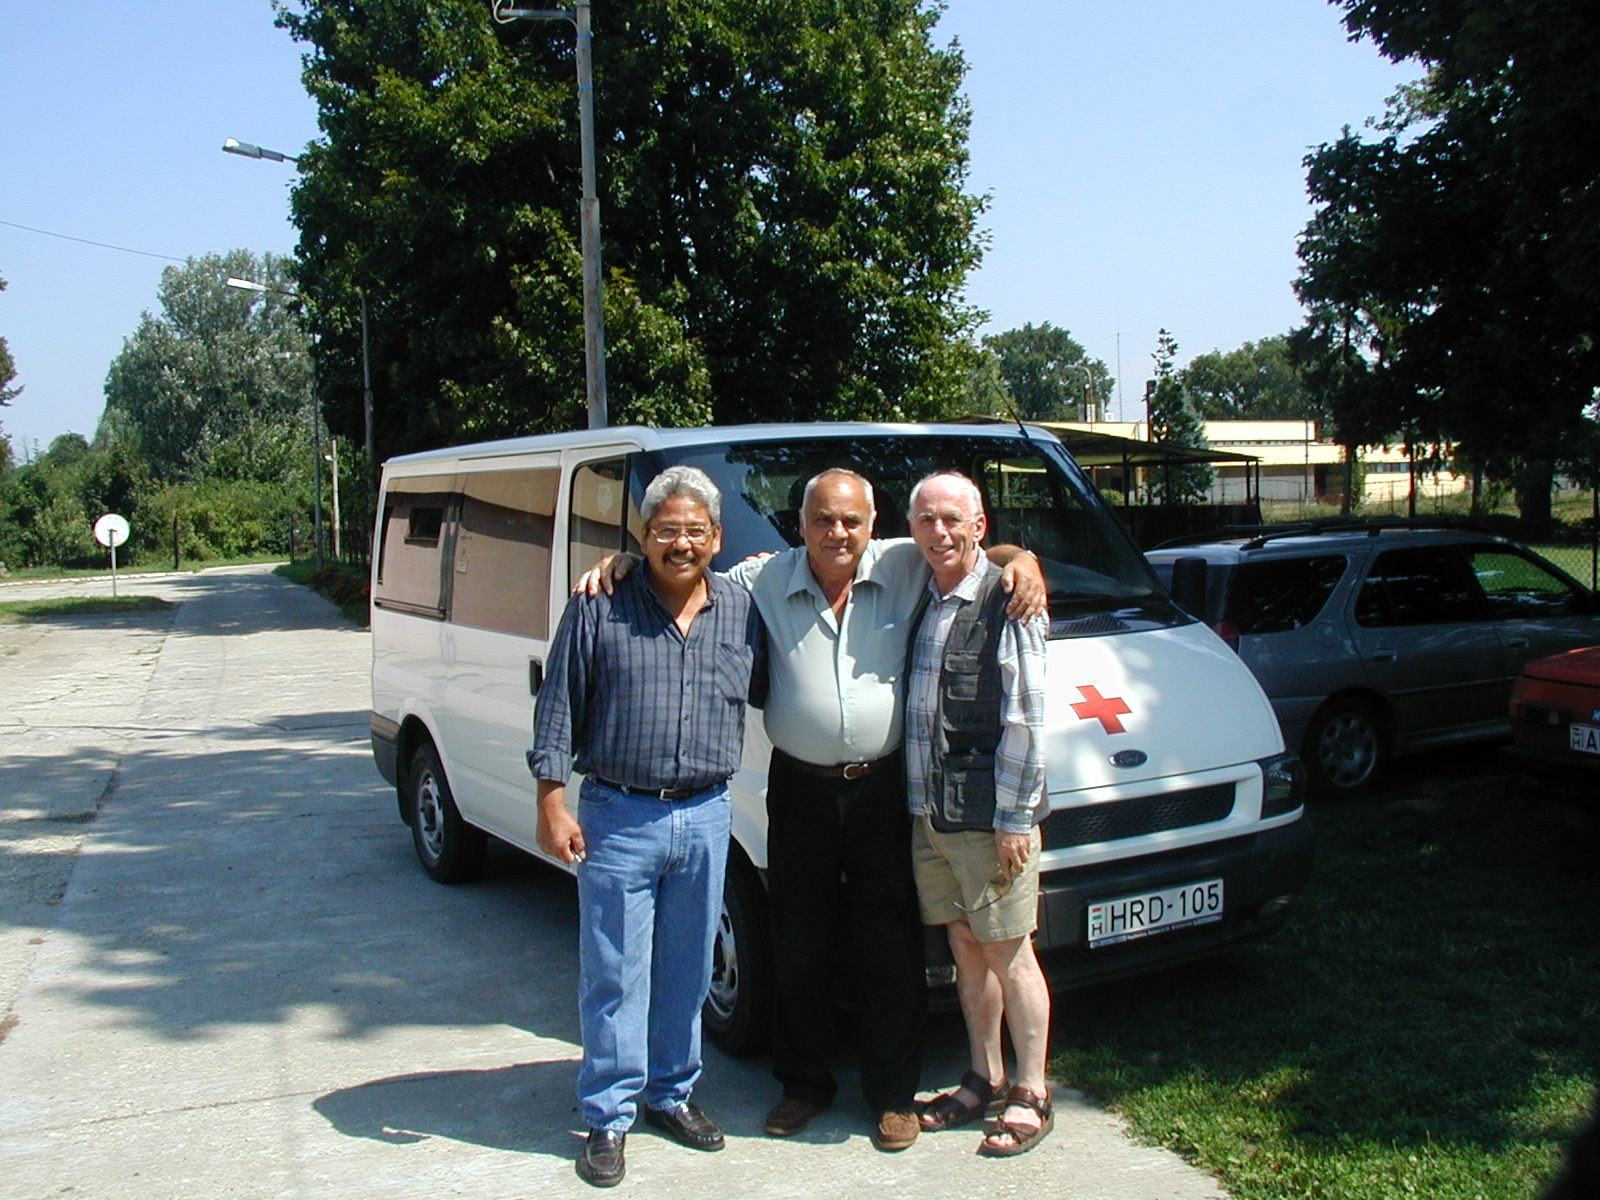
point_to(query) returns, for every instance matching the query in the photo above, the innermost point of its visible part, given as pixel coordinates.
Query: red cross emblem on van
(1105, 709)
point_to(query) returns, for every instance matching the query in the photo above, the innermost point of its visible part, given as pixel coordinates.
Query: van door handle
(1384, 654)
(535, 676)
(1517, 643)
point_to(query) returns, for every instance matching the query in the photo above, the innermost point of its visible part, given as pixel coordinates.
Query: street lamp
(594, 338)
(250, 285)
(251, 150)
(1091, 405)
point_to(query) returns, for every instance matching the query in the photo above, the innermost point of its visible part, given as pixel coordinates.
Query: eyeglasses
(996, 890)
(697, 535)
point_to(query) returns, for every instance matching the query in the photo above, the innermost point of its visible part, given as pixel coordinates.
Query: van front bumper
(1260, 872)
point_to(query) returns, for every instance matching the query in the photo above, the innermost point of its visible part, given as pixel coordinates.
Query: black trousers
(844, 923)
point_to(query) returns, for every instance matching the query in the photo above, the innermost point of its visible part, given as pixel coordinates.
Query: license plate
(1130, 917)
(1585, 739)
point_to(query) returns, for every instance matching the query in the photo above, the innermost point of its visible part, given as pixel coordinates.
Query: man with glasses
(645, 695)
(974, 731)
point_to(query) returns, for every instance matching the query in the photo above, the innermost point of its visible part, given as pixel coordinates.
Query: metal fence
(1576, 560)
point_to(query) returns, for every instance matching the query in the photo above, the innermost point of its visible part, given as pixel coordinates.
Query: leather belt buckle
(855, 770)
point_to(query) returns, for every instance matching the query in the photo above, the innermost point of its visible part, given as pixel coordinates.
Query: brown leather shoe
(897, 1128)
(792, 1114)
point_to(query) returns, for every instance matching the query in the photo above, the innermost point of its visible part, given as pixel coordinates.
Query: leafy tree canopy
(1457, 251)
(785, 231)
(1048, 374)
(1256, 382)
(216, 384)
(8, 372)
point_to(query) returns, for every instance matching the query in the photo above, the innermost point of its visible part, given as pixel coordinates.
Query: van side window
(597, 526)
(502, 551)
(411, 575)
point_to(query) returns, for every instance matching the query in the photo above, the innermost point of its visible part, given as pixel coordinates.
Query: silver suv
(1378, 639)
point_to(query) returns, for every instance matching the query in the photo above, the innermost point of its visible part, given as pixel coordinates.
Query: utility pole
(594, 335)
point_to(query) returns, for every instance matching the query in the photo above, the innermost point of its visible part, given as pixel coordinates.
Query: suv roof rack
(1256, 536)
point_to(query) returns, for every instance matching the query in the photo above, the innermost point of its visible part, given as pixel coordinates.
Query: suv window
(1273, 595)
(1519, 587)
(1425, 585)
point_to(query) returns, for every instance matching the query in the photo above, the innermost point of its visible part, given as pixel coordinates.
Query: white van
(1176, 822)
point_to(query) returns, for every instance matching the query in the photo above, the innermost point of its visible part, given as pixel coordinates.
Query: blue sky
(1142, 158)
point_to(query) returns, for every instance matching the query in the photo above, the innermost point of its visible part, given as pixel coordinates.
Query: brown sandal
(947, 1112)
(1022, 1137)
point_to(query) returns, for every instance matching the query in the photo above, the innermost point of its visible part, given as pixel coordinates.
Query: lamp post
(250, 285)
(251, 150)
(594, 338)
(1091, 406)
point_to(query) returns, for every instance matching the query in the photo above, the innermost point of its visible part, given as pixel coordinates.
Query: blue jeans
(649, 899)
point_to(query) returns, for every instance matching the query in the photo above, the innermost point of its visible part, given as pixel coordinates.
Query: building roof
(1094, 448)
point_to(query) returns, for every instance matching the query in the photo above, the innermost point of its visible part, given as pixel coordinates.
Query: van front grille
(1118, 819)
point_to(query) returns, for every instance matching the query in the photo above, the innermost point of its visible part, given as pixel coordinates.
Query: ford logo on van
(1129, 758)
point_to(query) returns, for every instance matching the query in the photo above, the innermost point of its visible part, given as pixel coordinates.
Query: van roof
(652, 438)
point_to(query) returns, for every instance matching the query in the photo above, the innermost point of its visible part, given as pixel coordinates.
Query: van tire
(1345, 748)
(450, 850)
(736, 1014)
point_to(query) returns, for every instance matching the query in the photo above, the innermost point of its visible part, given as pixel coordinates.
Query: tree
(1465, 239)
(785, 230)
(1256, 382)
(1049, 375)
(1174, 419)
(43, 519)
(8, 372)
(986, 393)
(216, 384)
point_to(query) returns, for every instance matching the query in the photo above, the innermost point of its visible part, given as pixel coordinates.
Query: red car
(1555, 710)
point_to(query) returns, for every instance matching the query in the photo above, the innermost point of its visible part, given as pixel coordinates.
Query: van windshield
(1035, 497)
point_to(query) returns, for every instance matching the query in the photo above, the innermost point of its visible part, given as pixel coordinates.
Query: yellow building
(1293, 464)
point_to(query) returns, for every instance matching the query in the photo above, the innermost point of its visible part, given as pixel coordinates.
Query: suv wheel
(1344, 746)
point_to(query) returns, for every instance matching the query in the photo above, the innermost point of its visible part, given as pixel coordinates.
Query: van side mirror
(1188, 586)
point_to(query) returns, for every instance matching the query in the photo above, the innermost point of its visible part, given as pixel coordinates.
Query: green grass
(1425, 1025)
(144, 567)
(12, 611)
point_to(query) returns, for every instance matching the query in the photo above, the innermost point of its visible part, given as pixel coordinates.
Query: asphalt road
(223, 974)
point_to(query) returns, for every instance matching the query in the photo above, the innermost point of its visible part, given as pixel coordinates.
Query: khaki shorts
(960, 868)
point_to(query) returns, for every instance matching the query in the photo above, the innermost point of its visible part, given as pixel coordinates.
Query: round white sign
(111, 530)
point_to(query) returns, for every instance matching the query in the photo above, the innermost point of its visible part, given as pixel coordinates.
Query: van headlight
(1283, 783)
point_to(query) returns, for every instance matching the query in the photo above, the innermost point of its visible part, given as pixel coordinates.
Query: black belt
(849, 770)
(655, 793)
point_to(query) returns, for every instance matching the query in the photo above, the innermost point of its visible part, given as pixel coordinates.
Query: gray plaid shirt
(1019, 760)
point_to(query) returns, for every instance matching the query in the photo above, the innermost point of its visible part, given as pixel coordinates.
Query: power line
(67, 237)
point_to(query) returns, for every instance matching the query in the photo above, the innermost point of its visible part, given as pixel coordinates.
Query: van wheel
(735, 1015)
(450, 850)
(1344, 747)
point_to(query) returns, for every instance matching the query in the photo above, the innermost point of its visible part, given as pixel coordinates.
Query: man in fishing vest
(974, 753)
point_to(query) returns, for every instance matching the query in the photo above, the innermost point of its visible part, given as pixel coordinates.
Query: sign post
(111, 530)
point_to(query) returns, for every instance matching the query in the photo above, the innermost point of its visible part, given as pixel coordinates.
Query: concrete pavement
(222, 972)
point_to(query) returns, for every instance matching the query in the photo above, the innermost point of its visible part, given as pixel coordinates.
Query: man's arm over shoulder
(1022, 576)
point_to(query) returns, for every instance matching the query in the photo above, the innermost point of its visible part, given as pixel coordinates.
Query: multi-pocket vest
(967, 718)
